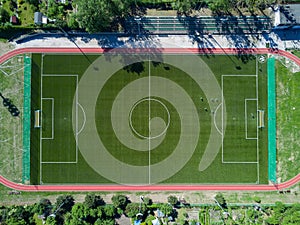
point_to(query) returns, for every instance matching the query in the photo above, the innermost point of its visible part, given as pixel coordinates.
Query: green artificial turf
(64, 164)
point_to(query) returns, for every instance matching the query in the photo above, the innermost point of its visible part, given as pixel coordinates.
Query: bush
(257, 199)
(173, 200)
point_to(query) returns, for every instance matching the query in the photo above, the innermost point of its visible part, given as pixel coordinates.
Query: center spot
(149, 118)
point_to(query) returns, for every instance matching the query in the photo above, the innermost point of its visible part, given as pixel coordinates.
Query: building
(38, 18)
(287, 16)
(14, 20)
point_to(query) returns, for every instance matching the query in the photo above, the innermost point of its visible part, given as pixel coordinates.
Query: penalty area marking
(240, 162)
(76, 119)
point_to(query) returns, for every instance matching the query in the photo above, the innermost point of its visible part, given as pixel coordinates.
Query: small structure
(14, 20)
(38, 18)
(137, 222)
(44, 19)
(287, 16)
(156, 221)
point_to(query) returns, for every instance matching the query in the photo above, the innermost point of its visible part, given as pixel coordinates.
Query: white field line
(215, 118)
(41, 102)
(76, 117)
(84, 118)
(222, 86)
(257, 130)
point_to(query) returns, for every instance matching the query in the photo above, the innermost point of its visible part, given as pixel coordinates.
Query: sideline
(217, 187)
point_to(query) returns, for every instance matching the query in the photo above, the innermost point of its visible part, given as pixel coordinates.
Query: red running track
(219, 187)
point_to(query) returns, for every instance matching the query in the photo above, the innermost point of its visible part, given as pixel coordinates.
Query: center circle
(156, 126)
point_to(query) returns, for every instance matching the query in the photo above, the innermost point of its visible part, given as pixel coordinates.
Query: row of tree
(110, 15)
(94, 210)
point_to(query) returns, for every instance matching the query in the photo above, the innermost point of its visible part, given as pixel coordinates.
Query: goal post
(37, 118)
(261, 116)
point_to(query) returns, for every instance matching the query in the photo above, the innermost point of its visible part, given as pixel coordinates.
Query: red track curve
(216, 187)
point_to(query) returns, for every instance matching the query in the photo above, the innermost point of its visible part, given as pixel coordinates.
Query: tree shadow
(137, 67)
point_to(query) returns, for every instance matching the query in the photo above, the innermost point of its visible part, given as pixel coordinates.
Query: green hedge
(10, 32)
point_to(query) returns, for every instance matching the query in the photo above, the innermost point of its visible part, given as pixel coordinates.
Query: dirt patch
(5, 47)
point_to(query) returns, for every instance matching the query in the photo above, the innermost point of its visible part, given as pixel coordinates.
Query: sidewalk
(157, 41)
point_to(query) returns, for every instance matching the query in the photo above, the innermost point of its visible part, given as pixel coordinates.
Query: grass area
(11, 86)
(288, 122)
(62, 149)
(24, 10)
(26, 198)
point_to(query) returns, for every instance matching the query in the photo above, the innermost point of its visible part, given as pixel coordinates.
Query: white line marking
(222, 86)
(215, 118)
(84, 118)
(41, 102)
(76, 116)
(223, 133)
(240, 162)
(59, 162)
(238, 75)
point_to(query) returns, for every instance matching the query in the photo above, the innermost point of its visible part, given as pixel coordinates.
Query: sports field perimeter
(145, 118)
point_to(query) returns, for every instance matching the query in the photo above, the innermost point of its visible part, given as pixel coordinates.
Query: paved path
(16, 186)
(83, 40)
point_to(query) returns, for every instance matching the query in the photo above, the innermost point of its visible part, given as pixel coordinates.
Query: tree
(182, 217)
(80, 211)
(221, 200)
(120, 201)
(183, 6)
(64, 203)
(292, 215)
(4, 16)
(173, 200)
(93, 201)
(109, 211)
(132, 209)
(149, 219)
(147, 201)
(166, 209)
(44, 207)
(105, 222)
(19, 215)
(33, 2)
(218, 6)
(51, 220)
(257, 199)
(99, 15)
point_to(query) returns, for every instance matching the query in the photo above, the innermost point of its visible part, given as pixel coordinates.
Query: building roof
(289, 14)
(13, 19)
(38, 18)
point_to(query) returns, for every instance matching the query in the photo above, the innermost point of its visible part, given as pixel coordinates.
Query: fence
(26, 121)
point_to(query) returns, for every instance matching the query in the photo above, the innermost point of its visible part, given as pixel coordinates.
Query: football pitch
(145, 118)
